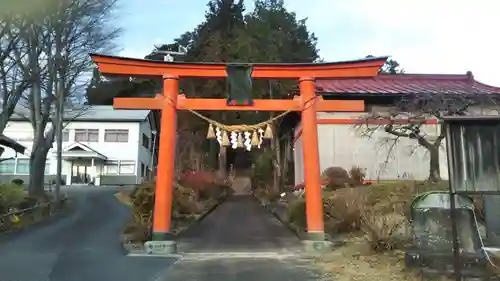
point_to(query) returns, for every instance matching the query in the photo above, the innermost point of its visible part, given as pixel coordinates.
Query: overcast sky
(425, 36)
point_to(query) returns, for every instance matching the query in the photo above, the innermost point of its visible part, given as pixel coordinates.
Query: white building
(342, 144)
(101, 146)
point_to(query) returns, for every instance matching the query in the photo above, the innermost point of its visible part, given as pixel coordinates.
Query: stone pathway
(241, 241)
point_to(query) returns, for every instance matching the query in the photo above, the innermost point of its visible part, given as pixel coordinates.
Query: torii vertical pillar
(314, 200)
(162, 215)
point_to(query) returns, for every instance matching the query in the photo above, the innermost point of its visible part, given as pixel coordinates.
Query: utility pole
(59, 77)
(59, 137)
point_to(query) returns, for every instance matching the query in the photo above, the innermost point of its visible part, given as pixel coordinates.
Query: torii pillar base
(317, 247)
(160, 248)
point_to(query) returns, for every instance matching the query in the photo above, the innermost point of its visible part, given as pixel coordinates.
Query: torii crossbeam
(170, 101)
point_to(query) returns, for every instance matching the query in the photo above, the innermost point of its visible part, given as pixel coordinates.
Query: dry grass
(385, 232)
(124, 198)
(356, 261)
(344, 208)
(375, 218)
(188, 204)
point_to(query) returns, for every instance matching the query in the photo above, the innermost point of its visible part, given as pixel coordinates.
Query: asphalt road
(84, 246)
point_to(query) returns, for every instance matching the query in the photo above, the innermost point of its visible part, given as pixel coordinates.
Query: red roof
(406, 84)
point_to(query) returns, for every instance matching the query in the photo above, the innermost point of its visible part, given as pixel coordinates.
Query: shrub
(28, 202)
(17, 181)
(344, 207)
(384, 231)
(267, 194)
(187, 206)
(357, 175)
(198, 181)
(137, 232)
(337, 177)
(215, 191)
(263, 168)
(296, 213)
(11, 195)
(185, 202)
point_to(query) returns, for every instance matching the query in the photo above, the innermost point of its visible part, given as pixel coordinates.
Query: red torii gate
(170, 101)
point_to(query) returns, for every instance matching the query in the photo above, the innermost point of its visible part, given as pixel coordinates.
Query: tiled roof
(406, 84)
(92, 113)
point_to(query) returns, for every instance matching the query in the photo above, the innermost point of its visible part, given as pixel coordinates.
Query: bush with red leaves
(197, 180)
(202, 182)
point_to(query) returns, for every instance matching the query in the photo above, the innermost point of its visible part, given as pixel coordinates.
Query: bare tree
(12, 81)
(406, 118)
(57, 43)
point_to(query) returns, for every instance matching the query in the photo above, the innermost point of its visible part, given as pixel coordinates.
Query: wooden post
(314, 200)
(166, 157)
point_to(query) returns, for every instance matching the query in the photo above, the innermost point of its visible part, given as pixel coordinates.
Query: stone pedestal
(160, 247)
(314, 247)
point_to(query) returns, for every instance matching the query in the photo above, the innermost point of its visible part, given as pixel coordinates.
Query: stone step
(242, 185)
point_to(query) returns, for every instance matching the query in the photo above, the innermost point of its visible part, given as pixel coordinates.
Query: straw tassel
(268, 134)
(225, 139)
(255, 138)
(210, 133)
(240, 140)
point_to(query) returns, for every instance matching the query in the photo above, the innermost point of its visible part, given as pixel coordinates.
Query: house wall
(145, 153)
(345, 146)
(114, 151)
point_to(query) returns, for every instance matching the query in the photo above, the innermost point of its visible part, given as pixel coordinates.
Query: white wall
(344, 146)
(112, 150)
(144, 154)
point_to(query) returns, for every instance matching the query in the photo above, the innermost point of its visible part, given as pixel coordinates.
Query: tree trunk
(434, 173)
(275, 147)
(37, 173)
(285, 161)
(222, 172)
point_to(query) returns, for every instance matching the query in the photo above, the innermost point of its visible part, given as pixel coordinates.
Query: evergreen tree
(270, 33)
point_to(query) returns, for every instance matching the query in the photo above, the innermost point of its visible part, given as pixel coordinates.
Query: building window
(65, 136)
(153, 144)
(23, 166)
(7, 166)
(116, 135)
(143, 170)
(111, 168)
(47, 168)
(127, 167)
(87, 135)
(145, 141)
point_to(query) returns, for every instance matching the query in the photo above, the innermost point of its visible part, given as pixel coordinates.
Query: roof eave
(10, 143)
